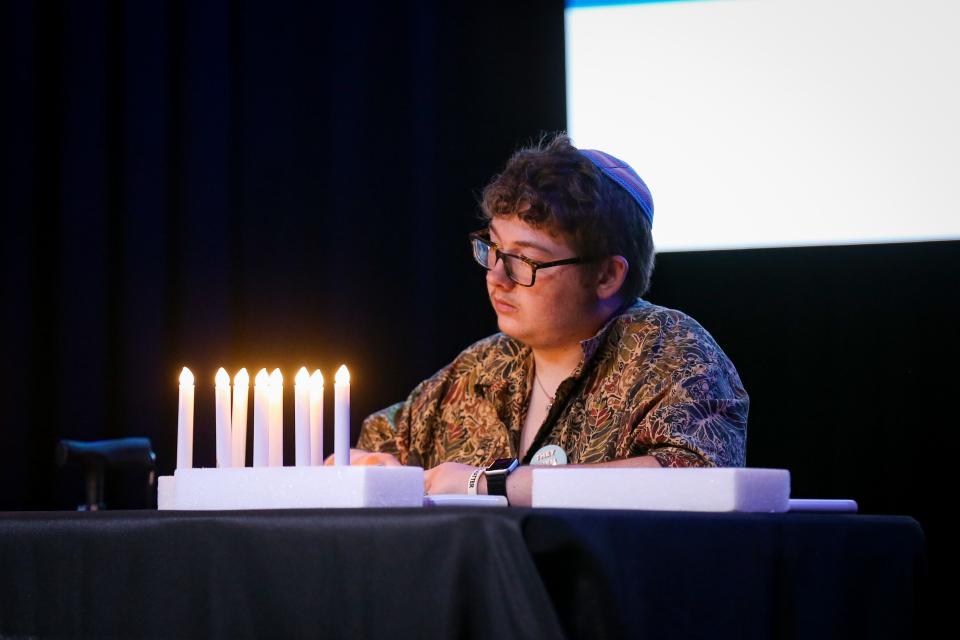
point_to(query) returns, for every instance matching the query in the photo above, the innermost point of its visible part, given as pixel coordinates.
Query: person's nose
(498, 277)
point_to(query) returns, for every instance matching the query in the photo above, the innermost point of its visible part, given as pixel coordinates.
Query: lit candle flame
(263, 379)
(342, 376)
(316, 381)
(276, 379)
(303, 377)
(223, 378)
(242, 379)
(186, 377)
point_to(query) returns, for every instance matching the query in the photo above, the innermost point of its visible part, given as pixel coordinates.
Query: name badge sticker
(549, 455)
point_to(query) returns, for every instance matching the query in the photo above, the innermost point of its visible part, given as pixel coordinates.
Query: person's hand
(372, 458)
(448, 477)
(376, 458)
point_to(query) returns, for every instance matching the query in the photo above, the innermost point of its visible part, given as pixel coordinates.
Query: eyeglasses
(520, 269)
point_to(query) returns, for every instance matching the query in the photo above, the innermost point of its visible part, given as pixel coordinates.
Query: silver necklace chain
(536, 379)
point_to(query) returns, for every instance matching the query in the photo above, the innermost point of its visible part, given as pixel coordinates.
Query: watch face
(503, 464)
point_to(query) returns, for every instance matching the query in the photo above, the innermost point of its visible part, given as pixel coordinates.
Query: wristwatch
(497, 475)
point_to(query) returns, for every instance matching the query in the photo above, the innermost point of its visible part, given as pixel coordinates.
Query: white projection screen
(772, 123)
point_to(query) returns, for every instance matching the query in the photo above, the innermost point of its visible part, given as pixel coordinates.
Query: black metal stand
(95, 457)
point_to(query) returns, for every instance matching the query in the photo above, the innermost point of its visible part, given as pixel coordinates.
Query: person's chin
(509, 326)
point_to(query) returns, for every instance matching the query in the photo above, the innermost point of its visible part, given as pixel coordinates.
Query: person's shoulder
(669, 347)
(644, 317)
(654, 327)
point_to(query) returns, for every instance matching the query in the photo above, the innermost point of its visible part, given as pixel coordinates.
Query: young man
(583, 370)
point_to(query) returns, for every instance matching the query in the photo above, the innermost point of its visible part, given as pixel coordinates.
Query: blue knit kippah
(624, 175)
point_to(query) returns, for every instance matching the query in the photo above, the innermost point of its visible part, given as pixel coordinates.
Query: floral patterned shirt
(652, 381)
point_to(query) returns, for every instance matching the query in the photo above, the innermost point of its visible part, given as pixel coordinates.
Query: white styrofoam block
(820, 505)
(713, 489)
(294, 488)
(165, 492)
(464, 500)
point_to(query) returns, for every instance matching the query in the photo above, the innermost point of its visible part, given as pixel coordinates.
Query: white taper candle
(301, 416)
(341, 417)
(185, 421)
(276, 418)
(316, 418)
(261, 419)
(238, 423)
(222, 394)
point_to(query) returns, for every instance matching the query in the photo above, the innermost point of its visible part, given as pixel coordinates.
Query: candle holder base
(713, 489)
(290, 488)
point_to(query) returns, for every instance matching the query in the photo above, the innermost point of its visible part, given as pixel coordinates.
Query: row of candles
(231, 418)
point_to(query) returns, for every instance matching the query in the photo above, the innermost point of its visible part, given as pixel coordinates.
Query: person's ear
(610, 276)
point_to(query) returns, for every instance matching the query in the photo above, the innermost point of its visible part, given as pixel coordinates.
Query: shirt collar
(588, 346)
(591, 344)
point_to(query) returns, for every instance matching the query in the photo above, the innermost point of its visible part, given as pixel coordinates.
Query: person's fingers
(388, 460)
(360, 458)
(355, 455)
(375, 459)
(381, 459)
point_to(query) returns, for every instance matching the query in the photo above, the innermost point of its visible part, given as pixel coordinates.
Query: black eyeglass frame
(484, 236)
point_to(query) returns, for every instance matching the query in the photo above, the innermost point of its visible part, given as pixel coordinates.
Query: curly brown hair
(555, 188)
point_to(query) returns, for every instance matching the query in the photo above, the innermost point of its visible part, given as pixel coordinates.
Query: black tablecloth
(458, 573)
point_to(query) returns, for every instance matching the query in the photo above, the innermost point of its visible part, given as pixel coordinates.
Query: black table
(458, 573)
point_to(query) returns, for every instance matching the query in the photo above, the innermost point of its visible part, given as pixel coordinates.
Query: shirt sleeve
(416, 430)
(392, 430)
(698, 432)
(379, 430)
(698, 415)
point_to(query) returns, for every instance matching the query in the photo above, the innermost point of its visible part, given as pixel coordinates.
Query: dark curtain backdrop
(245, 184)
(276, 184)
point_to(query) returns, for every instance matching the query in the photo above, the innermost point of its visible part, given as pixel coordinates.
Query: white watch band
(473, 481)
